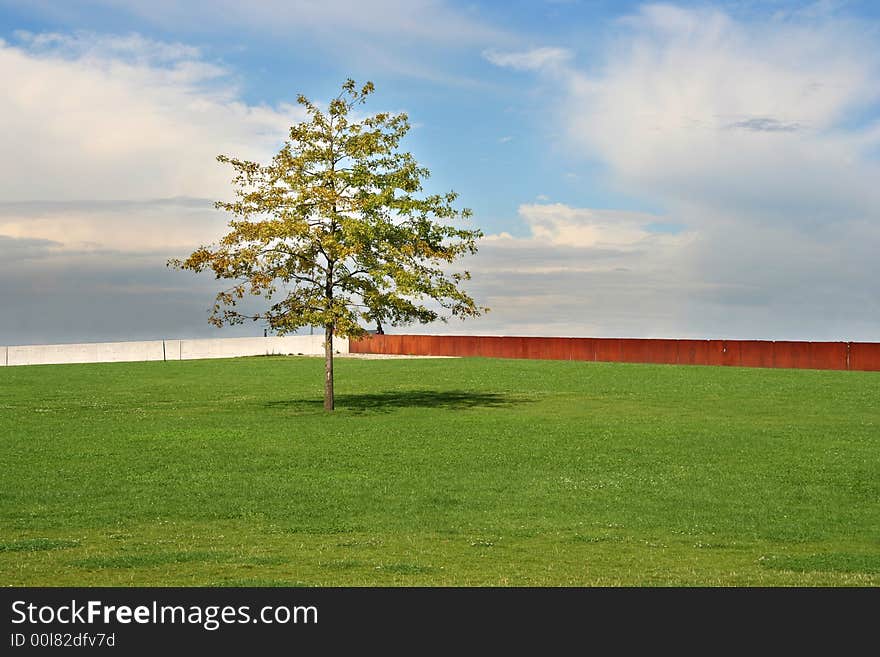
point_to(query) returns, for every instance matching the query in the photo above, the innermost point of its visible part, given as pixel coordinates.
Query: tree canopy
(335, 231)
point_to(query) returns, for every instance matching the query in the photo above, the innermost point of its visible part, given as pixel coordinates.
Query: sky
(674, 170)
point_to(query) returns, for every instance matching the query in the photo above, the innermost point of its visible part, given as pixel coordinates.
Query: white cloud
(92, 129)
(530, 60)
(88, 117)
(134, 47)
(757, 138)
(580, 271)
(582, 227)
(330, 24)
(162, 226)
(409, 38)
(693, 106)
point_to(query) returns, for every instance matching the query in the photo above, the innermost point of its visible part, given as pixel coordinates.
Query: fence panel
(534, 347)
(717, 352)
(558, 348)
(692, 352)
(518, 347)
(864, 356)
(608, 349)
(583, 349)
(664, 352)
(745, 353)
(828, 355)
(634, 351)
(493, 347)
(791, 354)
(755, 353)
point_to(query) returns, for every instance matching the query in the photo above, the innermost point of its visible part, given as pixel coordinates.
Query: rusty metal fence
(737, 353)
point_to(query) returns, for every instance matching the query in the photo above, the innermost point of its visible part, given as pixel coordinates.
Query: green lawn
(438, 472)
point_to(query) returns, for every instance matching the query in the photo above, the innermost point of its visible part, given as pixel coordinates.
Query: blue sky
(648, 170)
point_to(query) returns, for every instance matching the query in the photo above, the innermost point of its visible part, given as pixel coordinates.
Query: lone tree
(333, 231)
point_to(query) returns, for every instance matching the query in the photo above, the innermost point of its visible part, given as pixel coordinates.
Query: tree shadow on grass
(384, 402)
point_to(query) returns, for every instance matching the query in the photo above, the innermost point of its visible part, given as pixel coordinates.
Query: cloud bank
(756, 142)
(89, 117)
(108, 169)
(751, 136)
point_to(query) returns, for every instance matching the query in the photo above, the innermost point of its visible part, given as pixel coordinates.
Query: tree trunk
(329, 402)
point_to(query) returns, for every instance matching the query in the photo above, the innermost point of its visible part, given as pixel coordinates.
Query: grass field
(438, 472)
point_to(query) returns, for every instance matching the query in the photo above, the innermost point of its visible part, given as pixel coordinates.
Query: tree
(335, 231)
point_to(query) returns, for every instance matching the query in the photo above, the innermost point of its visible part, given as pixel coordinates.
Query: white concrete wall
(96, 352)
(107, 352)
(308, 345)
